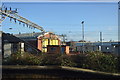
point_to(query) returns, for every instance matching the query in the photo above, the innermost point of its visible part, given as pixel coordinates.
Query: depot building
(42, 41)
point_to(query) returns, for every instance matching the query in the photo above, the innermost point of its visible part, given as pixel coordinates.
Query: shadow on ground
(44, 73)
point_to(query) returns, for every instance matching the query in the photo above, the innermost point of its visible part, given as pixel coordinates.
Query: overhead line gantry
(13, 14)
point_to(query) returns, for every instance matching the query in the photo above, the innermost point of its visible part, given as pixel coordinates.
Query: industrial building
(44, 42)
(29, 37)
(105, 47)
(48, 38)
(12, 44)
(56, 49)
(50, 43)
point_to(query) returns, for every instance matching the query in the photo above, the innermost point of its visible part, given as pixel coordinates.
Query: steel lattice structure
(13, 14)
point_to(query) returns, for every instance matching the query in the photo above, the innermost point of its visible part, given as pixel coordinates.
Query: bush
(90, 60)
(21, 59)
(50, 59)
(79, 59)
(67, 61)
(13, 59)
(101, 62)
(31, 59)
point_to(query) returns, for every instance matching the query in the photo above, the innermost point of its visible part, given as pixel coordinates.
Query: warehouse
(105, 47)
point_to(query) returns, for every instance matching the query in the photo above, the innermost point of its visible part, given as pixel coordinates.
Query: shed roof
(35, 35)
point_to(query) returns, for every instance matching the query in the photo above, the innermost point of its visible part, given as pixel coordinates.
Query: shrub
(50, 59)
(13, 59)
(21, 59)
(31, 59)
(101, 62)
(79, 59)
(67, 61)
(89, 60)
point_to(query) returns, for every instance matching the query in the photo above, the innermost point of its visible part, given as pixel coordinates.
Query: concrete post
(22, 47)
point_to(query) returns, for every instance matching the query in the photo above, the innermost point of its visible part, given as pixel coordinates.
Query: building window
(53, 49)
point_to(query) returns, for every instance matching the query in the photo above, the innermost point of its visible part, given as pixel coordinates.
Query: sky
(57, 0)
(66, 17)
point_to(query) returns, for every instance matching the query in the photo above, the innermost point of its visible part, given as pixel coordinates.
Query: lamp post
(83, 35)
